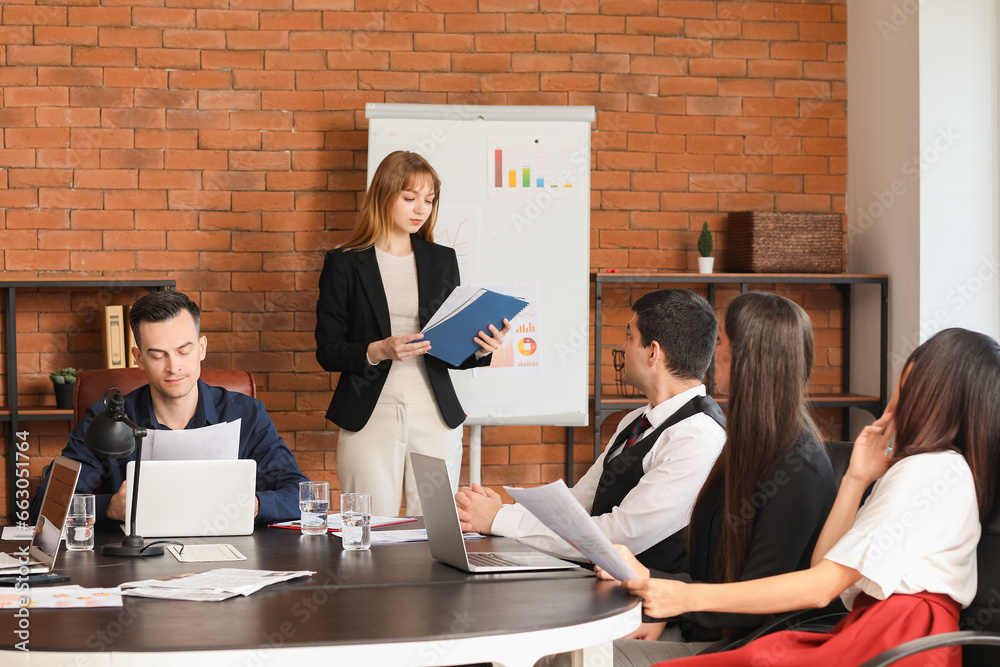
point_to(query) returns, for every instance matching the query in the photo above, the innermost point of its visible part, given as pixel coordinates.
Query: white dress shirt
(918, 531)
(674, 470)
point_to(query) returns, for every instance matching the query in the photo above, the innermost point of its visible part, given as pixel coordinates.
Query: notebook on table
(47, 537)
(193, 498)
(444, 530)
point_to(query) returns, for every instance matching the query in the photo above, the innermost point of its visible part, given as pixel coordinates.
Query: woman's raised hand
(872, 453)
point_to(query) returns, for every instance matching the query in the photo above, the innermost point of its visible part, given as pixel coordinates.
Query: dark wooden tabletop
(392, 593)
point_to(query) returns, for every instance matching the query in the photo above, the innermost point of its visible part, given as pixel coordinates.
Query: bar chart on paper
(522, 166)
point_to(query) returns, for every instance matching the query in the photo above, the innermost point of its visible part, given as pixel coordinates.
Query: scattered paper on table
(334, 523)
(205, 553)
(17, 533)
(62, 597)
(402, 536)
(210, 586)
(556, 507)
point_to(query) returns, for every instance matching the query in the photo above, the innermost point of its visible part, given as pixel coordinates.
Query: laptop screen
(55, 507)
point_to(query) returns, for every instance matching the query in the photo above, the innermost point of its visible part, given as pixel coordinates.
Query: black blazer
(352, 312)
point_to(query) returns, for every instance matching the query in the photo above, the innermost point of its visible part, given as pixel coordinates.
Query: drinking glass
(80, 523)
(314, 504)
(356, 516)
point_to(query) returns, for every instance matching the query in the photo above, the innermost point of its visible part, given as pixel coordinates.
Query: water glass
(356, 516)
(80, 523)
(314, 503)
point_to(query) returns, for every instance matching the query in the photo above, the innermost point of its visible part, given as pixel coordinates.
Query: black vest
(623, 472)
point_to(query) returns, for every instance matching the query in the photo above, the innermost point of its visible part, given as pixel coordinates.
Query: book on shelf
(113, 329)
(129, 338)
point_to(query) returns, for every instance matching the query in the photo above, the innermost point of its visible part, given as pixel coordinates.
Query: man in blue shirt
(170, 349)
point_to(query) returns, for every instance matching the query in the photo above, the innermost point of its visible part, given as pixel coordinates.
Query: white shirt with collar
(674, 470)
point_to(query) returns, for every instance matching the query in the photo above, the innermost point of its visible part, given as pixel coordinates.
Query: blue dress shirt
(278, 475)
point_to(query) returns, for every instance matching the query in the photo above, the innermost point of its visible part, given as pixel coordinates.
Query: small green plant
(705, 241)
(63, 376)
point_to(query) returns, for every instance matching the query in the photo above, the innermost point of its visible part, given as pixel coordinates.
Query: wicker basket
(771, 242)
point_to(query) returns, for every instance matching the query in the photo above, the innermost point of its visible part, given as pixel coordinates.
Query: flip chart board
(515, 205)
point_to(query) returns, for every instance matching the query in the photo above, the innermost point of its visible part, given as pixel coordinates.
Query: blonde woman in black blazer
(376, 292)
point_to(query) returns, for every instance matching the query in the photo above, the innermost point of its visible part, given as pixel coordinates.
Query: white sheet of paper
(217, 584)
(218, 442)
(556, 507)
(205, 553)
(17, 532)
(460, 296)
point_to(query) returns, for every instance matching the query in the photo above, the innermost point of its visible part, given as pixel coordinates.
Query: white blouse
(918, 531)
(407, 381)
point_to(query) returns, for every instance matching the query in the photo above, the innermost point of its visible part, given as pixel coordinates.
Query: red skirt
(872, 627)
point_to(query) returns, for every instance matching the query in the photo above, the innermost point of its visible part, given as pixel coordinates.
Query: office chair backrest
(840, 457)
(91, 386)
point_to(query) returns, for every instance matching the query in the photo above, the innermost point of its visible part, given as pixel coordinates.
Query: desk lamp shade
(109, 436)
(112, 435)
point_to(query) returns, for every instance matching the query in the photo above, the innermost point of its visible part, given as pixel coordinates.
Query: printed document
(555, 506)
(218, 442)
(210, 586)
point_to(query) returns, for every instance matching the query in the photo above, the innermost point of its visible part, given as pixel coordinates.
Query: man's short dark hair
(159, 307)
(685, 326)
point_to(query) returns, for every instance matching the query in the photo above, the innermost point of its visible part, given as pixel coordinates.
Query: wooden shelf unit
(12, 412)
(606, 405)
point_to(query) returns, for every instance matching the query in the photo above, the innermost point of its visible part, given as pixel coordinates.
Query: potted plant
(63, 381)
(705, 246)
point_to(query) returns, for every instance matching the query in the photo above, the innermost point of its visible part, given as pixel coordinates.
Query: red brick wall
(223, 143)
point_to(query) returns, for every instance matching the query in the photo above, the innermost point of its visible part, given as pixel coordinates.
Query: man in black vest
(641, 489)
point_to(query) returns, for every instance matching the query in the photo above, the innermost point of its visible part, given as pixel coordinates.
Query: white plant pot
(705, 264)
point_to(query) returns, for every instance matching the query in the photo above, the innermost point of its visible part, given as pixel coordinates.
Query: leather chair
(91, 386)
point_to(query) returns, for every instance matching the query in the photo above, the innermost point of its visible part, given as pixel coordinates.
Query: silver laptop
(444, 530)
(47, 537)
(203, 498)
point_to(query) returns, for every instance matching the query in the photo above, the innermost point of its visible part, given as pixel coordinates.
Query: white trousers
(376, 459)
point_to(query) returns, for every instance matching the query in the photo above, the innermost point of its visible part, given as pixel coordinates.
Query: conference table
(392, 605)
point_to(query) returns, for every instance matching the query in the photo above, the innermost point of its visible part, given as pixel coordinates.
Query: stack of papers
(211, 586)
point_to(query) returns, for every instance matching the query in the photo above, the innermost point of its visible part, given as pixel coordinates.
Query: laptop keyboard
(487, 559)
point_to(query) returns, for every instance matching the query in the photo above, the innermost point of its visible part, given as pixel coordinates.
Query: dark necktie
(638, 428)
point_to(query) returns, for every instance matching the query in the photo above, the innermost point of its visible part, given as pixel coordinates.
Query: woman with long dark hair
(905, 562)
(760, 511)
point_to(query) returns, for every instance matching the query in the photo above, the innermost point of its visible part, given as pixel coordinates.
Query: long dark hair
(771, 339)
(949, 399)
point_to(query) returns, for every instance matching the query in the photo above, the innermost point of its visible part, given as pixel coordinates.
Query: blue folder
(452, 339)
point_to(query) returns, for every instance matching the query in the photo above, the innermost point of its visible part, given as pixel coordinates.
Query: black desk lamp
(112, 435)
